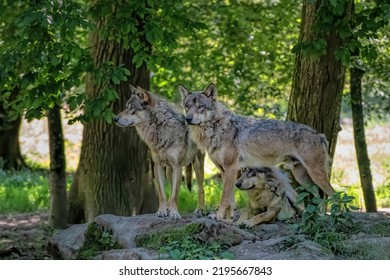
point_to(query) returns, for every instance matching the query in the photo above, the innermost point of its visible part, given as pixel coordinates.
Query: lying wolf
(165, 132)
(270, 196)
(259, 142)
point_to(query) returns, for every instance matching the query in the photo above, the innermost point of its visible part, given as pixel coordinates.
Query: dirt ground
(24, 236)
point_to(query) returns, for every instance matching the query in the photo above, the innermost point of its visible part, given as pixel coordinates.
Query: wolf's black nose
(115, 119)
(238, 184)
(188, 119)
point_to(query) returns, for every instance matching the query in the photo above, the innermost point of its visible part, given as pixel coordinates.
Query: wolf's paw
(162, 213)
(238, 224)
(174, 214)
(199, 212)
(247, 224)
(215, 217)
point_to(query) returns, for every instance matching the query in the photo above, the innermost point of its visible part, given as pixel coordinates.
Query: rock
(142, 237)
(125, 229)
(306, 250)
(213, 231)
(269, 227)
(65, 244)
(369, 247)
(129, 254)
(273, 249)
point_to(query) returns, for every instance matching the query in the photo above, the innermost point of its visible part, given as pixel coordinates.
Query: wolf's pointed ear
(145, 95)
(132, 89)
(183, 91)
(211, 91)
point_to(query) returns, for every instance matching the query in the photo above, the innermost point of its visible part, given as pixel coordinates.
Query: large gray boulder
(130, 237)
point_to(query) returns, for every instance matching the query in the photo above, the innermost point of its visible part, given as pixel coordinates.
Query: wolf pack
(248, 152)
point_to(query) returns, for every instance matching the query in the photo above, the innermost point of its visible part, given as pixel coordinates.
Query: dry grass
(378, 143)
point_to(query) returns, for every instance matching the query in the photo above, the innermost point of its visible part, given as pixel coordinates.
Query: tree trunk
(317, 84)
(113, 175)
(363, 160)
(57, 181)
(10, 155)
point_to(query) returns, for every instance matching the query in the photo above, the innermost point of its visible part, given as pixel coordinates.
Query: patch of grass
(213, 188)
(26, 190)
(180, 244)
(97, 240)
(23, 191)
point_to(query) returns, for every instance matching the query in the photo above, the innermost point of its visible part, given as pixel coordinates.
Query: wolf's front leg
(199, 173)
(162, 200)
(172, 204)
(229, 177)
(243, 217)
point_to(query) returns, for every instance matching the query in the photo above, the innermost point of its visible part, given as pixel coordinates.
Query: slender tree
(57, 175)
(356, 75)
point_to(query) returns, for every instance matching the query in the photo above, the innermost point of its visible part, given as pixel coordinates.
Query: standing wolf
(228, 137)
(165, 132)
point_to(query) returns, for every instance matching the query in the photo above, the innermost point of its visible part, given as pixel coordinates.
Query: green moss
(97, 240)
(157, 239)
(180, 243)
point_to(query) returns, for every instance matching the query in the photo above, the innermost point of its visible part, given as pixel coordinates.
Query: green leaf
(115, 79)
(228, 256)
(311, 208)
(175, 254)
(73, 105)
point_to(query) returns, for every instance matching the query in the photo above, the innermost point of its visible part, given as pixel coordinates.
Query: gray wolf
(163, 128)
(270, 196)
(228, 137)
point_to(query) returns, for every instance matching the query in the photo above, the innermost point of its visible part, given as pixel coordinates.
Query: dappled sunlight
(34, 142)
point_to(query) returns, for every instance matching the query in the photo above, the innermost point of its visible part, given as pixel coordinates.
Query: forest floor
(24, 236)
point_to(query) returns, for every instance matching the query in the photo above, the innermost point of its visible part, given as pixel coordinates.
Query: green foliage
(25, 190)
(331, 229)
(43, 52)
(97, 240)
(188, 249)
(356, 29)
(188, 200)
(180, 244)
(244, 48)
(382, 194)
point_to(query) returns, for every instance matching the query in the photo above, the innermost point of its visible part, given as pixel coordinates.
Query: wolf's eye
(201, 106)
(187, 107)
(251, 174)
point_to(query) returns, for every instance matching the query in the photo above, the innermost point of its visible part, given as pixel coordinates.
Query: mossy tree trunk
(363, 160)
(113, 175)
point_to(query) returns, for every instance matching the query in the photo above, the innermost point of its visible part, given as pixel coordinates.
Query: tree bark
(10, 155)
(317, 84)
(363, 160)
(113, 175)
(57, 177)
